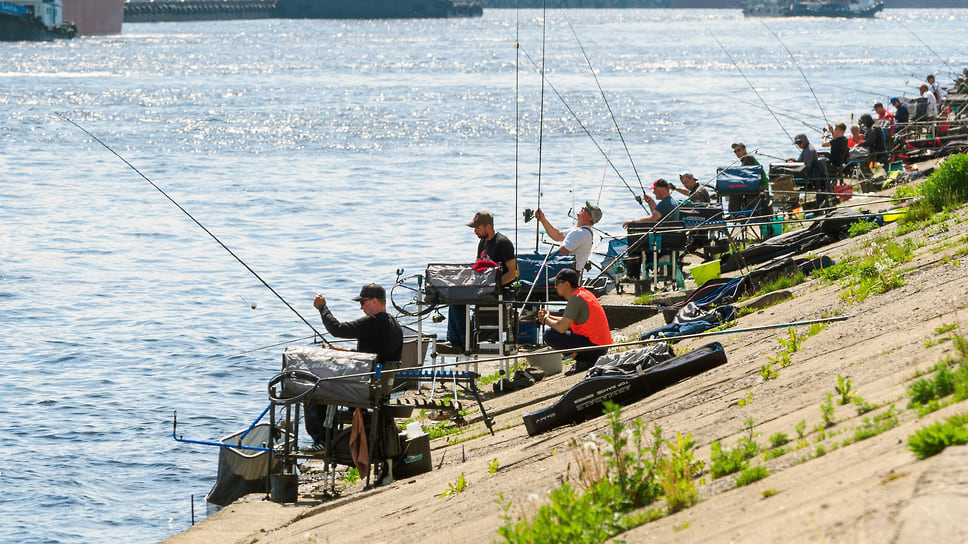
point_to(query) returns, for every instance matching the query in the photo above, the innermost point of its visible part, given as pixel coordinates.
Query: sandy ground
(869, 491)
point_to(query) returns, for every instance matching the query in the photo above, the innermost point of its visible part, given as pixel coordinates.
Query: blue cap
(895, 99)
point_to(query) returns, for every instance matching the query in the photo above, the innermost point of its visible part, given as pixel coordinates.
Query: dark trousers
(570, 340)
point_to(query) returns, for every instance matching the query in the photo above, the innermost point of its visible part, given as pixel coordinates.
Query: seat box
(415, 459)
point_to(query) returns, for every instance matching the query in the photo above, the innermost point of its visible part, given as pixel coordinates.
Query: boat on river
(812, 8)
(33, 20)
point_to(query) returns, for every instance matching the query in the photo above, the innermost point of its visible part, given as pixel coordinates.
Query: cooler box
(739, 180)
(415, 459)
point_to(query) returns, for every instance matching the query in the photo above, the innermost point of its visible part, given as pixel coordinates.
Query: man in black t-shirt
(493, 246)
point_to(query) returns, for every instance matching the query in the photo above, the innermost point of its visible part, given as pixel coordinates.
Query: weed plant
(352, 476)
(947, 187)
(876, 425)
(843, 389)
(827, 411)
(875, 272)
(751, 475)
(458, 486)
(861, 227)
(629, 474)
(933, 439)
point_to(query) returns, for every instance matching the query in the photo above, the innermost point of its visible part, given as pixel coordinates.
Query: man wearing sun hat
(577, 240)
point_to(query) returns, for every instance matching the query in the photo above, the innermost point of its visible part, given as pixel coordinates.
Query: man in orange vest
(583, 323)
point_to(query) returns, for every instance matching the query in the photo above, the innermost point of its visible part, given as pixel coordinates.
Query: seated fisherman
(667, 206)
(376, 332)
(583, 323)
(873, 142)
(738, 203)
(838, 148)
(696, 193)
(492, 246)
(813, 169)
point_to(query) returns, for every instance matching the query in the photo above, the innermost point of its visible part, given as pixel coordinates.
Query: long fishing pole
(604, 99)
(544, 26)
(588, 133)
(944, 62)
(190, 216)
(517, 107)
(589, 348)
(750, 83)
(795, 63)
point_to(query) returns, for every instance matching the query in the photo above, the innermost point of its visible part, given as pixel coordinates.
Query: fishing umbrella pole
(196, 221)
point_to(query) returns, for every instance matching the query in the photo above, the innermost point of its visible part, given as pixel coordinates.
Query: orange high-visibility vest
(596, 328)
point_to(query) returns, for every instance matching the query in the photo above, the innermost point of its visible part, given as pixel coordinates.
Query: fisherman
(695, 192)
(376, 332)
(577, 240)
(667, 205)
(885, 119)
(838, 147)
(813, 169)
(495, 248)
(901, 114)
(738, 203)
(583, 323)
(935, 88)
(855, 137)
(931, 98)
(873, 143)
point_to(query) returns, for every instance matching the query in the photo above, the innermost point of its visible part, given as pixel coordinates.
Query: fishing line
(517, 106)
(750, 83)
(190, 216)
(604, 99)
(795, 63)
(598, 201)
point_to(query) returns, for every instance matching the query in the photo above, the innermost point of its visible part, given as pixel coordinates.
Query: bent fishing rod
(582, 125)
(748, 82)
(196, 221)
(795, 63)
(604, 99)
(573, 350)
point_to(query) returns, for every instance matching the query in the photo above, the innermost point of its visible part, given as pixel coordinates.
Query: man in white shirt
(577, 240)
(932, 101)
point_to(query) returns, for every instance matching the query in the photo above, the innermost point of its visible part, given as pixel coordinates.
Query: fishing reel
(528, 215)
(437, 317)
(638, 198)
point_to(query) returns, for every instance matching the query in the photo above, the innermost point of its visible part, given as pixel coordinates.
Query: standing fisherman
(577, 240)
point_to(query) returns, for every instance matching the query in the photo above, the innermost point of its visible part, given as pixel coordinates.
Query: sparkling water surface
(328, 154)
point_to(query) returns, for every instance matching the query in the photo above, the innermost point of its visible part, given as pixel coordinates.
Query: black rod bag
(584, 400)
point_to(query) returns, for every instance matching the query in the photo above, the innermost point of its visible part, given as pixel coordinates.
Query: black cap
(371, 290)
(569, 275)
(739, 145)
(481, 218)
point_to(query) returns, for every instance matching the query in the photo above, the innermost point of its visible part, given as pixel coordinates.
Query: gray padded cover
(329, 363)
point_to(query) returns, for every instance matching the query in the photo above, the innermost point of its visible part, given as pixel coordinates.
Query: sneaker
(316, 447)
(448, 348)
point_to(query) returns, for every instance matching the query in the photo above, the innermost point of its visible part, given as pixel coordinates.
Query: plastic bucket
(549, 362)
(705, 272)
(285, 487)
(527, 333)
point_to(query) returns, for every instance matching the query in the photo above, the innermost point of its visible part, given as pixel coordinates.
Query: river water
(327, 154)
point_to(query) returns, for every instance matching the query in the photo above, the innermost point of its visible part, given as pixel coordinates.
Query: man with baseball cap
(376, 332)
(583, 323)
(577, 240)
(739, 203)
(901, 114)
(666, 206)
(494, 247)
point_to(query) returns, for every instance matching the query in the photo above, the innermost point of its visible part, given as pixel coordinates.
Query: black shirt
(498, 249)
(379, 334)
(838, 151)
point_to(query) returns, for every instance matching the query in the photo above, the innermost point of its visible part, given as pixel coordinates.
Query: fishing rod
(588, 348)
(544, 27)
(601, 187)
(604, 99)
(944, 62)
(795, 63)
(750, 83)
(196, 221)
(588, 133)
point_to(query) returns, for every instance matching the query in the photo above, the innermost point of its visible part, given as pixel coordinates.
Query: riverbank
(829, 486)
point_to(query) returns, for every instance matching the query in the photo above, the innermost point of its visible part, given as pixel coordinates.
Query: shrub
(751, 475)
(860, 227)
(933, 439)
(947, 186)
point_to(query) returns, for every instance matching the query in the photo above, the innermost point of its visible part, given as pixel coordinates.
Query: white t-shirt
(578, 241)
